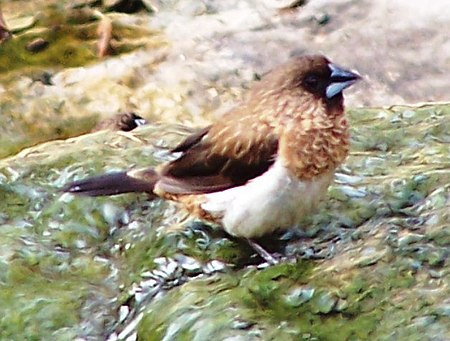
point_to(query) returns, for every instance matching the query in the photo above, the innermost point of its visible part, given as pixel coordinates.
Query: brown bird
(125, 121)
(265, 164)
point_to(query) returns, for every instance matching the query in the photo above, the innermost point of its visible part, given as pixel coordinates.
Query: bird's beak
(340, 79)
(140, 122)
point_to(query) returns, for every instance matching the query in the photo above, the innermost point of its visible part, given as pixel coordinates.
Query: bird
(262, 166)
(125, 121)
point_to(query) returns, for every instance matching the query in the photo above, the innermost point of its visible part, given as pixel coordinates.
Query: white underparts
(274, 200)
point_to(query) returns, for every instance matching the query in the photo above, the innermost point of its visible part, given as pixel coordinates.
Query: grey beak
(140, 122)
(340, 79)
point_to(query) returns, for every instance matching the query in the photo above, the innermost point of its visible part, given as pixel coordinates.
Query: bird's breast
(315, 150)
(274, 200)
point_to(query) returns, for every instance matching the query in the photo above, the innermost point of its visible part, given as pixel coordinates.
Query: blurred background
(65, 65)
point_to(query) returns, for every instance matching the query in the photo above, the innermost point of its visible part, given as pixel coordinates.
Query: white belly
(274, 200)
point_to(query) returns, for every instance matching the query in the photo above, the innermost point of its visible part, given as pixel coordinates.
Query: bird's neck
(316, 142)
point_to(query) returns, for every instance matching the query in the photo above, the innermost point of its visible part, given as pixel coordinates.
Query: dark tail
(112, 184)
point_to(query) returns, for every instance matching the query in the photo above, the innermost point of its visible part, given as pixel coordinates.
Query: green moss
(260, 297)
(72, 38)
(64, 50)
(257, 299)
(64, 259)
(28, 132)
(39, 297)
(71, 35)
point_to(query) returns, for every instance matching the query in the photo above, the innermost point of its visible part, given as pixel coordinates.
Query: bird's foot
(269, 258)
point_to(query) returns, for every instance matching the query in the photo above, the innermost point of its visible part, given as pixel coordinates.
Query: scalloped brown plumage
(265, 164)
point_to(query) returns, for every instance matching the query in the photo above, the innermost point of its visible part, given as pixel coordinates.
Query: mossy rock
(374, 267)
(35, 109)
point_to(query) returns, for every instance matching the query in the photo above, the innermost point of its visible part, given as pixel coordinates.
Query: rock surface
(372, 265)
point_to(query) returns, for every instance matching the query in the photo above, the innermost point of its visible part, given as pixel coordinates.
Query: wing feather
(220, 157)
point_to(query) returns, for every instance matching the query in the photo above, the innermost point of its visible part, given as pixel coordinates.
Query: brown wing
(191, 140)
(220, 156)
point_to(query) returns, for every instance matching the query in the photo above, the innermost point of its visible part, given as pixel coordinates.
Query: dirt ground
(402, 48)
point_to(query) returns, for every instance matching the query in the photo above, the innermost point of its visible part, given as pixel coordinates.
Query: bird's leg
(181, 219)
(262, 252)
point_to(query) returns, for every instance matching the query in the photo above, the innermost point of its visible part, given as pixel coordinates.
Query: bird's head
(129, 121)
(308, 78)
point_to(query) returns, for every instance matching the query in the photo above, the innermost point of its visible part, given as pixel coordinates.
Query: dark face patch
(316, 82)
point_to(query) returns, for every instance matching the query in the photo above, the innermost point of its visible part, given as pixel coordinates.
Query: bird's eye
(312, 82)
